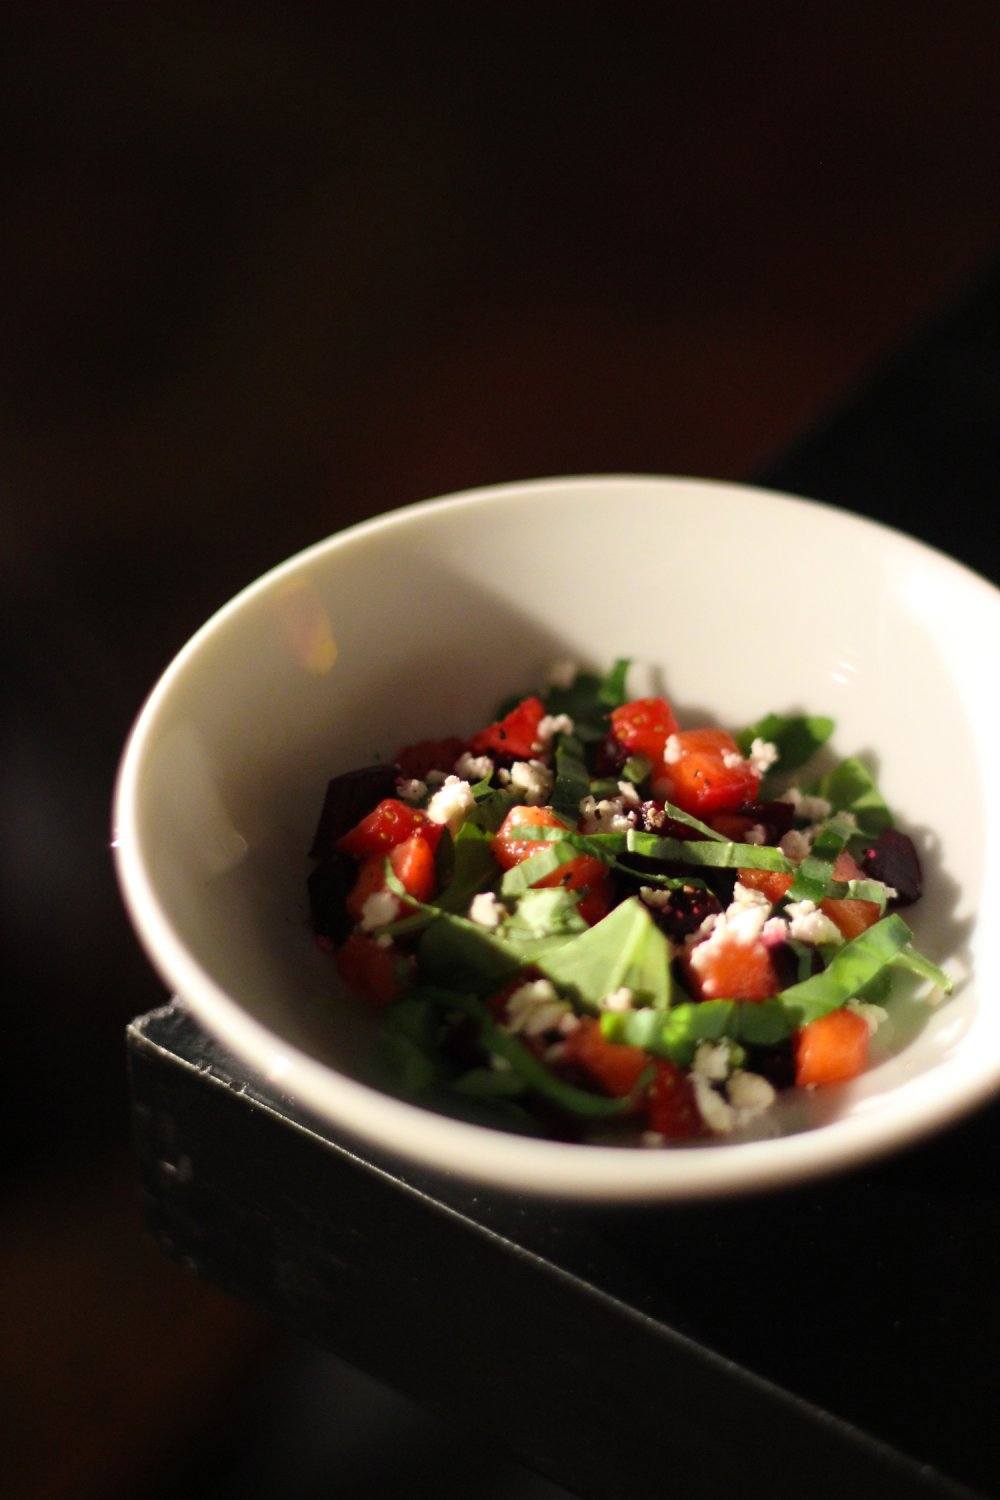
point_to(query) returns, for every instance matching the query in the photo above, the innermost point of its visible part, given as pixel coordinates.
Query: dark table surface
(843, 1333)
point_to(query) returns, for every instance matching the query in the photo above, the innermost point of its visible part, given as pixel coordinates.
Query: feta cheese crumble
(379, 909)
(873, 1015)
(535, 1008)
(810, 809)
(452, 804)
(609, 815)
(731, 759)
(486, 910)
(620, 999)
(750, 1094)
(711, 1061)
(808, 924)
(795, 845)
(746, 895)
(763, 755)
(411, 791)
(757, 834)
(551, 725)
(473, 767)
(532, 780)
(653, 896)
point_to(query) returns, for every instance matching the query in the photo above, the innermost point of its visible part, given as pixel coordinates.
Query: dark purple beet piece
(893, 859)
(609, 757)
(329, 885)
(775, 817)
(686, 912)
(348, 799)
(776, 1064)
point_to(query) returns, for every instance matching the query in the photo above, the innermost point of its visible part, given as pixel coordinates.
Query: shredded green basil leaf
(626, 948)
(613, 691)
(572, 781)
(850, 969)
(917, 964)
(850, 787)
(536, 1075)
(796, 737)
(680, 816)
(635, 770)
(723, 856)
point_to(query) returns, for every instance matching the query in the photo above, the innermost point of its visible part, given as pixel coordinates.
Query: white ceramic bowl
(416, 624)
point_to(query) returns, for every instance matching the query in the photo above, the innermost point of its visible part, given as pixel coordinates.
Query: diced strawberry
(412, 863)
(831, 1049)
(416, 761)
(643, 726)
(771, 882)
(727, 969)
(513, 843)
(391, 823)
(369, 969)
(584, 871)
(514, 737)
(671, 1109)
(700, 781)
(614, 1067)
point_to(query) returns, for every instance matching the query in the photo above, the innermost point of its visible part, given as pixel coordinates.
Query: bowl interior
(413, 626)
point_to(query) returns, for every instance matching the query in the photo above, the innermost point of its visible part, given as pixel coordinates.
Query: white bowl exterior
(415, 624)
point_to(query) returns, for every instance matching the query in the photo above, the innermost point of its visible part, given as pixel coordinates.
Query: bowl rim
(475, 1152)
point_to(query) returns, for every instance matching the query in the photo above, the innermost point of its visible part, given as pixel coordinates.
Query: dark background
(266, 270)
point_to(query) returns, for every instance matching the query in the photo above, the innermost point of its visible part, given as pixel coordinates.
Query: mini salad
(587, 922)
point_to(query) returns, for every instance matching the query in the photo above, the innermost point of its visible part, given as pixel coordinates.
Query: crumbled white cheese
(620, 999)
(742, 922)
(503, 777)
(763, 755)
(609, 815)
(874, 1015)
(809, 808)
(383, 940)
(473, 767)
(568, 1023)
(535, 1008)
(562, 674)
(711, 1061)
(731, 759)
(555, 1052)
(452, 804)
(672, 750)
(652, 1138)
(775, 932)
(628, 794)
(757, 834)
(719, 1116)
(750, 1095)
(380, 908)
(532, 781)
(549, 726)
(746, 895)
(795, 845)
(807, 924)
(411, 791)
(655, 897)
(486, 910)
